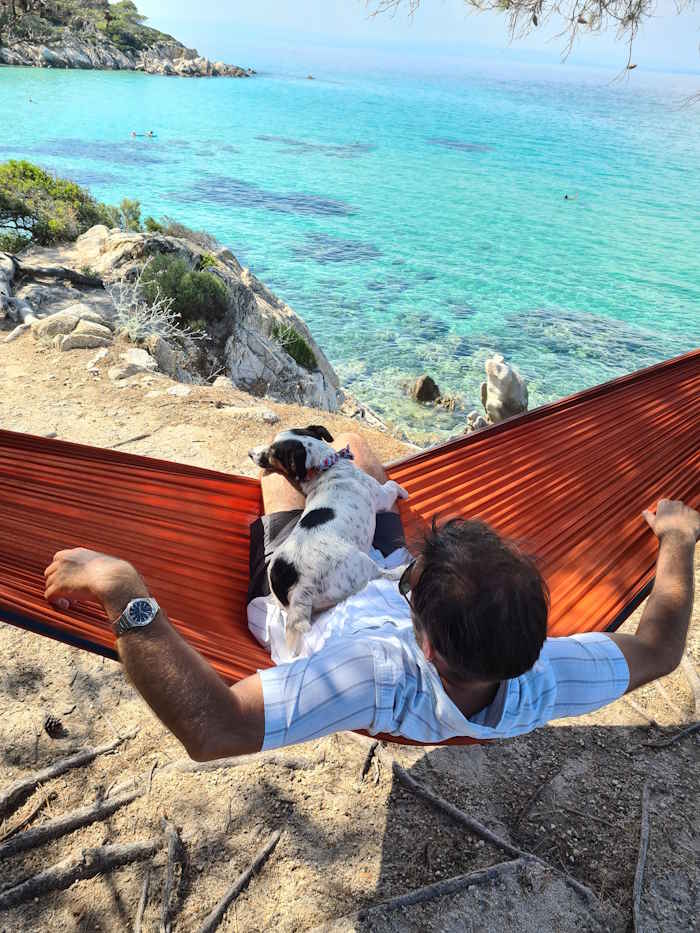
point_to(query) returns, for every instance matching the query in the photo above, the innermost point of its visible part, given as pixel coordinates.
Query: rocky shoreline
(97, 52)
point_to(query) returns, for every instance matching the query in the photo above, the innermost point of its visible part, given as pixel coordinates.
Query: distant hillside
(96, 34)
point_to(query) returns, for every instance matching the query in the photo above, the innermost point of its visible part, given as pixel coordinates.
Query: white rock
(97, 357)
(116, 373)
(222, 382)
(179, 390)
(505, 392)
(139, 360)
(165, 355)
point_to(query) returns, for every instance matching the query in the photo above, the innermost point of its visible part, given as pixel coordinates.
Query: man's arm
(657, 647)
(182, 689)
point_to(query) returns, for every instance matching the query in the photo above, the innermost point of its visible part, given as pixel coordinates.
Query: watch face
(140, 612)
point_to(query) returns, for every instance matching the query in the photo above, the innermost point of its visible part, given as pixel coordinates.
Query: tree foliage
(37, 20)
(44, 208)
(576, 16)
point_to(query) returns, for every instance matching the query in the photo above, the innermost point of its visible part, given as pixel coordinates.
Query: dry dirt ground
(346, 843)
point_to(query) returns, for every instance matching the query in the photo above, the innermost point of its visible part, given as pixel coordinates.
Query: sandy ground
(346, 843)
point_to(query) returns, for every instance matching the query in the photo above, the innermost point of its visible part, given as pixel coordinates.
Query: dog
(326, 558)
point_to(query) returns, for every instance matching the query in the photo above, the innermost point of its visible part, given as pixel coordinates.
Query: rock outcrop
(245, 342)
(504, 393)
(425, 389)
(69, 50)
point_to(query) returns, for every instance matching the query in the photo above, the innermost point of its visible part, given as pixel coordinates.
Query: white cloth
(361, 668)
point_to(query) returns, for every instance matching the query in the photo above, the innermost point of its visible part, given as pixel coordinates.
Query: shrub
(13, 242)
(194, 295)
(295, 345)
(152, 225)
(142, 311)
(172, 227)
(206, 262)
(45, 208)
(131, 215)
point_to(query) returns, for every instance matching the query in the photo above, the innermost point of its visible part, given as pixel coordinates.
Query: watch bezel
(127, 623)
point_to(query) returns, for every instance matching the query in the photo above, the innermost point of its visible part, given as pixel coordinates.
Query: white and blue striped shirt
(361, 668)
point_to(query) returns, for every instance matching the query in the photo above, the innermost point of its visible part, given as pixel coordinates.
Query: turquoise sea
(417, 223)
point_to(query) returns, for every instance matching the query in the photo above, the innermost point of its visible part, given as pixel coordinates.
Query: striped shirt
(361, 668)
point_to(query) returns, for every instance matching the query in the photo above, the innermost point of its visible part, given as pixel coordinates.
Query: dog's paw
(294, 635)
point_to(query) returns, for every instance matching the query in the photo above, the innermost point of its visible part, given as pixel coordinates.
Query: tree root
(217, 914)
(16, 793)
(77, 867)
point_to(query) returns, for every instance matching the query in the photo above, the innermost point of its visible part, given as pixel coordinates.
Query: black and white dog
(326, 558)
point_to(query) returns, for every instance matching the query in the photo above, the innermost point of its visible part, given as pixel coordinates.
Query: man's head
(478, 601)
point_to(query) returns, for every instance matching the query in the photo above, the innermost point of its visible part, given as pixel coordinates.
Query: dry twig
(56, 272)
(62, 825)
(143, 900)
(14, 794)
(483, 832)
(442, 888)
(175, 861)
(25, 821)
(534, 797)
(77, 867)
(217, 914)
(664, 743)
(367, 763)
(639, 873)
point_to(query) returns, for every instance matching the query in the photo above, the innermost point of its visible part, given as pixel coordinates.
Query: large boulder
(505, 392)
(425, 389)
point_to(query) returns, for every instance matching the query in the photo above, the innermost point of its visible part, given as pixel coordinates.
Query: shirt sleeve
(308, 698)
(590, 671)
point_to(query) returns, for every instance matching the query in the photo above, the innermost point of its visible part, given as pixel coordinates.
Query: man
(459, 647)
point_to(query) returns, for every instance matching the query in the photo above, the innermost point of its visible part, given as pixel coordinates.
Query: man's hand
(81, 574)
(674, 518)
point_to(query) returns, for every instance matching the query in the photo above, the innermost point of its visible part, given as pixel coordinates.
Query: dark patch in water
(232, 192)
(323, 248)
(125, 153)
(459, 145)
(581, 337)
(336, 151)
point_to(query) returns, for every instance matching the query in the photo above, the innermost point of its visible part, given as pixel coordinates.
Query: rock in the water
(505, 392)
(475, 421)
(425, 389)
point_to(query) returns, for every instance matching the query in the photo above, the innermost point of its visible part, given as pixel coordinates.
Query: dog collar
(332, 459)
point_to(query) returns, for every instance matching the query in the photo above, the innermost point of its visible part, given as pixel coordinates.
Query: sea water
(417, 223)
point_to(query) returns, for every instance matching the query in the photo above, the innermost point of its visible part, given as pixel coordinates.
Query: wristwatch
(138, 614)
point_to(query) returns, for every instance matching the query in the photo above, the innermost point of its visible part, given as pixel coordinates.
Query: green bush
(131, 215)
(196, 296)
(295, 345)
(45, 208)
(151, 225)
(13, 242)
(206, 262)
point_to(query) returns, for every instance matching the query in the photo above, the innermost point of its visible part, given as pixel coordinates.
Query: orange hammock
(568, 480)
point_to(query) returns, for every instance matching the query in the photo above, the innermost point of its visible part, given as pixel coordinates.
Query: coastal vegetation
(198, 298)
(44, 20)
(289, 338)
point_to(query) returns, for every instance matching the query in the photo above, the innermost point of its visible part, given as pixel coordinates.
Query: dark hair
(482, 603)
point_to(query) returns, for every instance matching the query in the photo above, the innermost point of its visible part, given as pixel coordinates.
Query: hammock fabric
(568, 481)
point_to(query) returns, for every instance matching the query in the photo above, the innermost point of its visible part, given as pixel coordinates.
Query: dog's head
(294, 453)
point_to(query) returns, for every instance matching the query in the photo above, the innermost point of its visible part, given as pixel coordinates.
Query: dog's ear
(292, 456)
(319, 432)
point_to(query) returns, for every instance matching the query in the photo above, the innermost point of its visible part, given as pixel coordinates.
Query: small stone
(179, 390)
(222, 382)
(93, 328)
(62, 322)
(100, 355)
(270, 417)
(140, 359)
